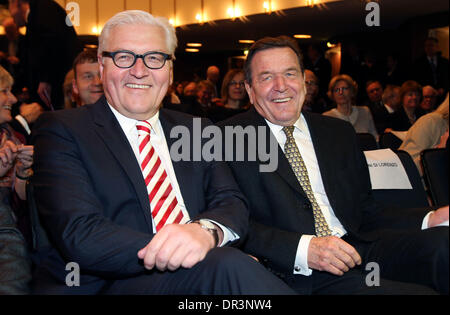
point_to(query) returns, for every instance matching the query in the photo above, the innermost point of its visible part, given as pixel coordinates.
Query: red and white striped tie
(163, 201)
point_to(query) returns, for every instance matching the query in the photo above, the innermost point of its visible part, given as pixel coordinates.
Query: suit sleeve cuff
(228, 234)
(301, 259)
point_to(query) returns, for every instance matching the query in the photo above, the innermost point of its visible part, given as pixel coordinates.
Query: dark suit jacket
(423, 73)
(280, 212)
(399, 120)
(93, 201)
(51, 47)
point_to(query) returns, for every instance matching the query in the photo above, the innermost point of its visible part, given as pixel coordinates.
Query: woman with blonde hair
(342, 90)
(429, 131)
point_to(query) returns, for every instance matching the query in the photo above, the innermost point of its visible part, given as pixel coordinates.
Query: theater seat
(366, 141)
(409, 198)
(435, 173)
(389, 141)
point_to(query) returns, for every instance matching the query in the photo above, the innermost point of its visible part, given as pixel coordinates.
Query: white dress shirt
(304, 143)
(159, 143)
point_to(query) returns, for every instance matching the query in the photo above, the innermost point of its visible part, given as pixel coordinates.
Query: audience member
(318, 64)
(69, 97)
(409, 112)
(10, 58)
(16, 159)
(213, 77)
(314, 220)
(23, 122)
(432, 68)
(394, 73)
(87, 83)
(15, 265)
(426, 133)
(132, 231)
(313, 101)
(342, 90)
(45, 65)
(189, 89)
(429, 99)
(234, 97)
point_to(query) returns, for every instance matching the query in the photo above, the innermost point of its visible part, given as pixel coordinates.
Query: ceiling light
(194, 45)
(302, 36)
(192, 50)
(246, 41)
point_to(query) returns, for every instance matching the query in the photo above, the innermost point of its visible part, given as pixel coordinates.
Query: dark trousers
(409, 263)
(223, 271)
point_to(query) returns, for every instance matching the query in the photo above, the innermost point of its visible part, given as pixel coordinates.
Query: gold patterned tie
(298, 166)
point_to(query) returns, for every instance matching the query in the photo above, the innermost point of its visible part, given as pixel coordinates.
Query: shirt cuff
(301, 259)
(228, 234)
(24, 123)
(425, 220)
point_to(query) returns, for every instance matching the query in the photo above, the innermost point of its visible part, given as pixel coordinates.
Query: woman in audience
(429, 131)
(16, 159)
(410, 111)
(15, 163)
(234, 96)
(342, 90)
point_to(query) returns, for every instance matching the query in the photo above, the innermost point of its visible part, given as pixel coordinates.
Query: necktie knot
(289, 131)
(143, 127)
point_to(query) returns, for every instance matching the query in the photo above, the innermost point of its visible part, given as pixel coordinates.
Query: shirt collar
(129, 124)
(299, 125)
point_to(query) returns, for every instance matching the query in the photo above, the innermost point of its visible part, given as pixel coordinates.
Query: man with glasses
(113, 202)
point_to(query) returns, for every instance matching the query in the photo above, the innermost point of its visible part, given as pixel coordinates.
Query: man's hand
(332, 254)
(437, 217)
(175, 246)
(31, 112)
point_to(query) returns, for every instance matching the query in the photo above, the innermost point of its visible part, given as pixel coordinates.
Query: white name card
(386, 170)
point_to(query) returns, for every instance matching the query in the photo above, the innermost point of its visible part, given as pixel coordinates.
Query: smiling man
(313, 221)
(87, 83)
(113, 202)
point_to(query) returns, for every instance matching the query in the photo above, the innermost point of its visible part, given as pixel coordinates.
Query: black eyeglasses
(126, 59)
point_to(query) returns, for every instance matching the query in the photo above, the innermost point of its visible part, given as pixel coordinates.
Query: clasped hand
(332, 254)
(11, 153)
(175, 246)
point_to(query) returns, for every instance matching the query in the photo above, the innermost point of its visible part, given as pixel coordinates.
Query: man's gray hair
(133, 17)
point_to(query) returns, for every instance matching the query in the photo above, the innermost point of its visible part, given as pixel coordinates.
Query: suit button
(297, 269)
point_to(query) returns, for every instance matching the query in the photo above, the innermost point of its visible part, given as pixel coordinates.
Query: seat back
(389, 141)
(435, 173)
(366, 141)
(405, 198)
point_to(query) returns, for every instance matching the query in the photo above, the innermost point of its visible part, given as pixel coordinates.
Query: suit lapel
(110, 131)
(322, 146)
(284, 169)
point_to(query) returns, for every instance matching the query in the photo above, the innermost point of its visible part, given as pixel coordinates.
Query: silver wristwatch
(210, 227)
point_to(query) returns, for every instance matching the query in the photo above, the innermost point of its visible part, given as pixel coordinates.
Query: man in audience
(45, 65)
(23, 122)
(313, 102)
(375, 103)
(432, 68)
(113, 202)
(213, 76)
(313, 221)
(321, 67)
(87, 84)
(429, 99)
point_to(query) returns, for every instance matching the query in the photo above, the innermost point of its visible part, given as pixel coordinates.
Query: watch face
(207, 224)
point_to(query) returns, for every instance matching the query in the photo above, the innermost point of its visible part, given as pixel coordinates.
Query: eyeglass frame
(234, 83)
(136, 57)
